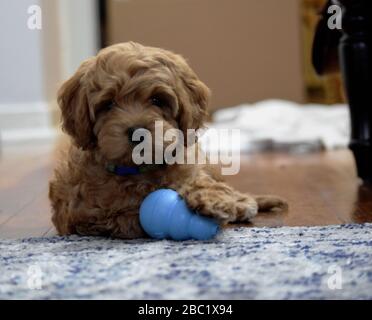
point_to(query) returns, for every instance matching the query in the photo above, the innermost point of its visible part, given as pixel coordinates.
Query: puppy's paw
(271, 203)
(222, 211)
(246, 208)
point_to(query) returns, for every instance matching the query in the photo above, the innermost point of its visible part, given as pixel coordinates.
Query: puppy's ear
(193, 116)
(73, 101)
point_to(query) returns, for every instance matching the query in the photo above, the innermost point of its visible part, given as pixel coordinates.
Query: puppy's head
(125, 87)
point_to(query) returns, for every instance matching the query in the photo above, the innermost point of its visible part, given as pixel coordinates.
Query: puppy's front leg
(217, 200)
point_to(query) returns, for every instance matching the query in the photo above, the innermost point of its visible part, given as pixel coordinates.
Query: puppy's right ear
(73, 101)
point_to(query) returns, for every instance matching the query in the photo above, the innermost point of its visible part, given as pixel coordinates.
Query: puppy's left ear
(194, 115)
(76, 114)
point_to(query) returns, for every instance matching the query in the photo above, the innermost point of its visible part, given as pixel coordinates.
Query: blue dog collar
(130, 171)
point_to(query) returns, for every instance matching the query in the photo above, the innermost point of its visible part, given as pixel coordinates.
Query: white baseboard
(20, 123)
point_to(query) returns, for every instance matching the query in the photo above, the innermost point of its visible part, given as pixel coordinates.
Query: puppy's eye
(106, 107)
(158, 101)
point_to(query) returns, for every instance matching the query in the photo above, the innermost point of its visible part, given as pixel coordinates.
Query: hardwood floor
(24, 206)
(321, 189)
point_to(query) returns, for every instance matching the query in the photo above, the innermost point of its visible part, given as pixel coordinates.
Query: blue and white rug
(333, 262)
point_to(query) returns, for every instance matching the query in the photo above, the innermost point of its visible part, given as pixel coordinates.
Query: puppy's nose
(140, 131)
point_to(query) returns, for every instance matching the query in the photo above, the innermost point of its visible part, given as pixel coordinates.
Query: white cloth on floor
(280, 125)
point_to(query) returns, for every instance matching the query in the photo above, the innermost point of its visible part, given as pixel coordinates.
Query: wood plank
(51, 232)
(32, 221)
(24, 175)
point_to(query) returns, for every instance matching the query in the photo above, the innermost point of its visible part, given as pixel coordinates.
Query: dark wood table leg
(355, 53)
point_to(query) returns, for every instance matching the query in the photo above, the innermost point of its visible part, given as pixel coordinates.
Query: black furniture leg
(355, 54)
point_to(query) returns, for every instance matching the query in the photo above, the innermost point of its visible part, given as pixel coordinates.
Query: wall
(20, 50)
(23, 104)
(245, 50)
(34, 63)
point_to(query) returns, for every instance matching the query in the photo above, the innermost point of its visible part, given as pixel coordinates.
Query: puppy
(125, 87)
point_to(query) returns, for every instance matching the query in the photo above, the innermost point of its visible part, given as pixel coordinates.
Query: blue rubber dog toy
(165, 215)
